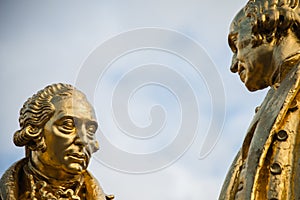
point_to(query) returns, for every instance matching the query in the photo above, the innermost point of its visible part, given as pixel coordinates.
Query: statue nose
(234, 64)
(81, 136)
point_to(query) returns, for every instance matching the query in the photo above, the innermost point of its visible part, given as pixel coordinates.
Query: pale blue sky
(42, 42)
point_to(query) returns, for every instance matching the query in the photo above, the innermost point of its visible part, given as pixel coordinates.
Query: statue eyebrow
(86, 121)
(244, 43)
(94, 123)
(62, 115)
(232, 38)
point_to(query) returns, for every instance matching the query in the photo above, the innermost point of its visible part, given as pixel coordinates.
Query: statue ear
(33, 132)
(27, 135)
(37, 138)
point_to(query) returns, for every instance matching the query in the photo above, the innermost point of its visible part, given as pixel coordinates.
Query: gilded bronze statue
(57, 128)
(265, 39)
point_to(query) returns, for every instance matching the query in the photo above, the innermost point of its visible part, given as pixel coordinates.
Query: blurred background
(43, 42)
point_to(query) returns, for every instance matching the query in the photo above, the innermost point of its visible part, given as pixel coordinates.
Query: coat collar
(9, 183)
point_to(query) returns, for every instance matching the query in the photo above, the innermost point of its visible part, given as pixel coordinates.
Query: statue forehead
(74, 104)
(240, 29)
(237, 20)
(75, 95)
(240, 23)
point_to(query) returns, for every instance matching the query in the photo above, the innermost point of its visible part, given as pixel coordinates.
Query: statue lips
(242, 71)
(78, 157)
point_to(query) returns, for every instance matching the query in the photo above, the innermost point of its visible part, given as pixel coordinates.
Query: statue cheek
(59, 143)
(62, 138)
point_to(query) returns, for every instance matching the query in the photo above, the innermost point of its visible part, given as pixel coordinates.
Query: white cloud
(46, 42)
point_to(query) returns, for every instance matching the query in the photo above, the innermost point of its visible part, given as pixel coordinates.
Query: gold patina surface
(265, 39)
(57, 128)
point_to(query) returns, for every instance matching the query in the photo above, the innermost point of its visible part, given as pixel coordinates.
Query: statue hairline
(259, 31)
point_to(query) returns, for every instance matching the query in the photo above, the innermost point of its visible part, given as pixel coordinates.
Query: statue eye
(91, 129)
(232, 40)
(244, 43)
(66, 125)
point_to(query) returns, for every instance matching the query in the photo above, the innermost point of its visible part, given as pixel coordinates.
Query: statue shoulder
(9, 180)
(94, 190)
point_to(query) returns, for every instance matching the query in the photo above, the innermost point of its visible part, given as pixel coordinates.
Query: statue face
(70, 135)
(255, 65)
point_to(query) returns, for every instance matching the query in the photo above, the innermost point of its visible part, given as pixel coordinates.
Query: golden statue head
(262, 36)
(57, 127)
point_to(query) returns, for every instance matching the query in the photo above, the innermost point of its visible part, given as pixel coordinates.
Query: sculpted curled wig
(35, 113)
(269, 19)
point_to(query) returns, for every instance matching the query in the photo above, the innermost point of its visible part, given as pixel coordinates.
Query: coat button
(282, 135)
(294, 105)
(275, 168)
(240, 186)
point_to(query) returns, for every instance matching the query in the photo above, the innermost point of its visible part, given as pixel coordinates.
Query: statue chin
(75, 168)
(252, 88)
(254, 85)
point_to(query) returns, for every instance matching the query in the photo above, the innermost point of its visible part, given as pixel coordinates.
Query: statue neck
(43, 187)
(53, 181)
(286, 55)
(51, 172)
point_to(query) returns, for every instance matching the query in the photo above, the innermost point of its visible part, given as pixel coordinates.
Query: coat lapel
(272, 112)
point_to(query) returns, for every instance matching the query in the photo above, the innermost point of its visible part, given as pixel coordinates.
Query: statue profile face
(254, 64)
(69, 135)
